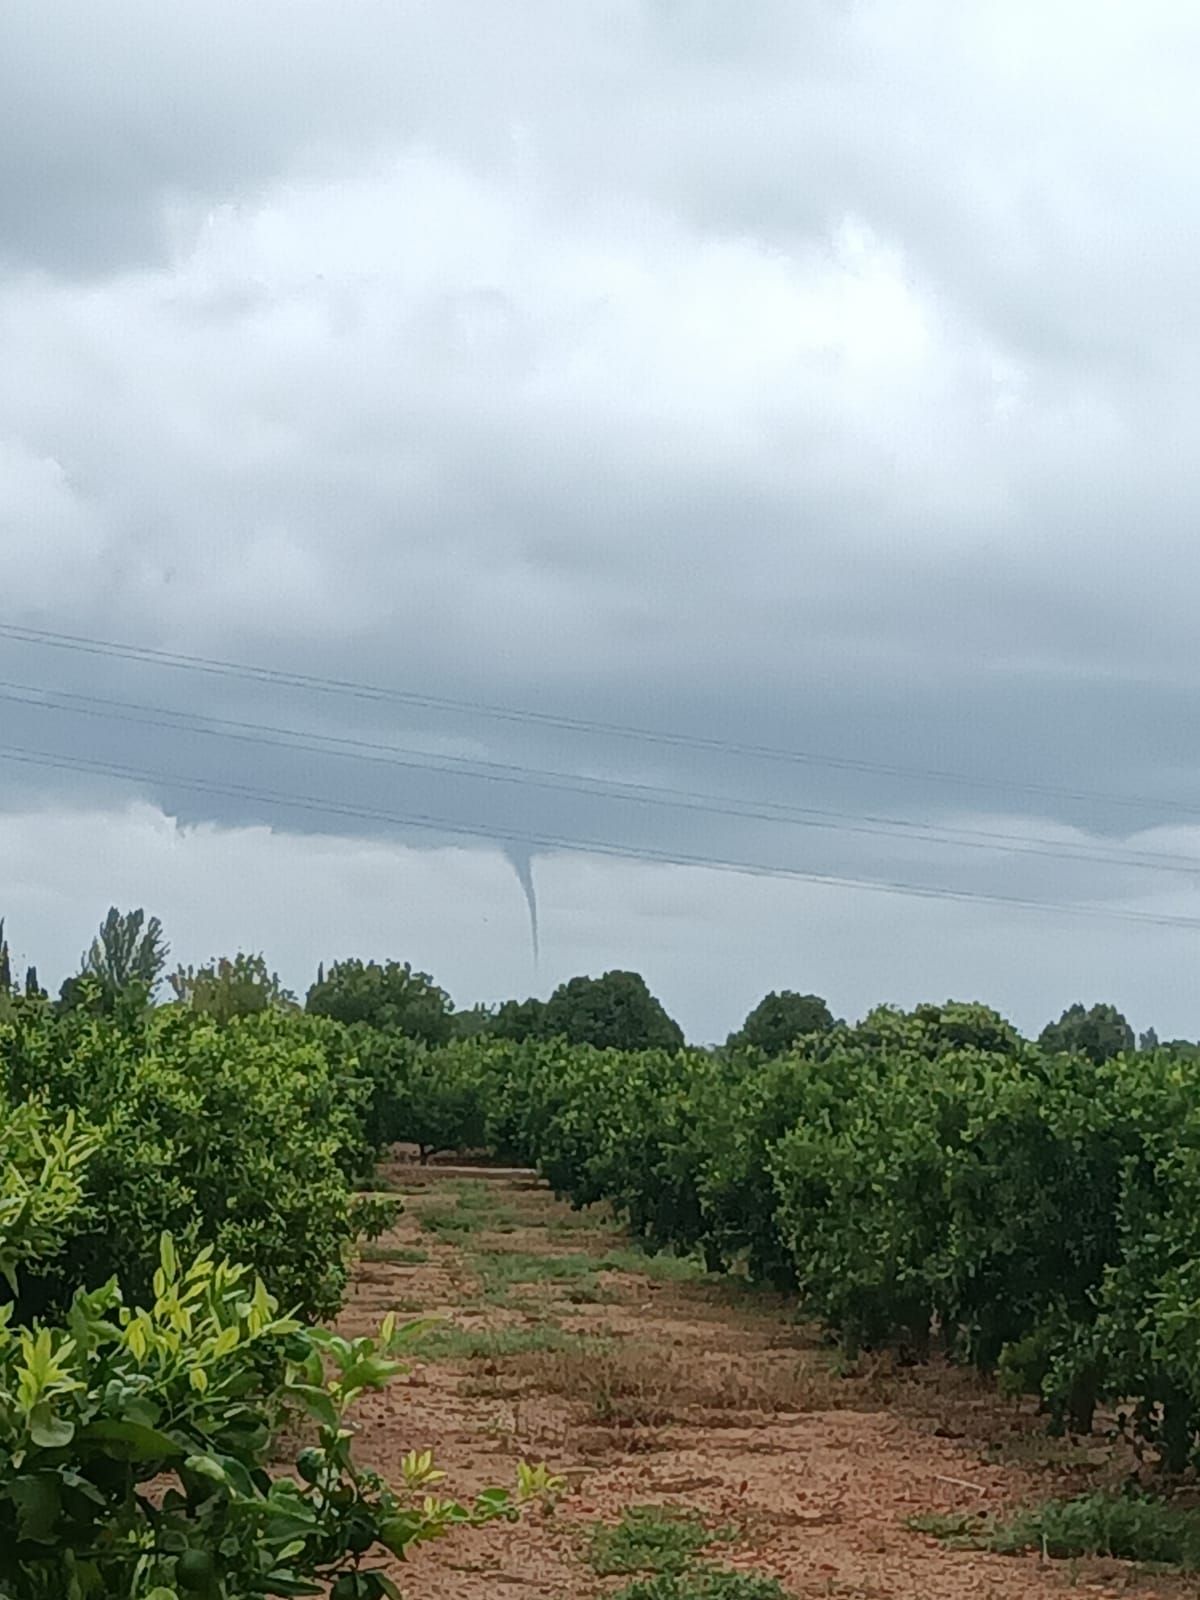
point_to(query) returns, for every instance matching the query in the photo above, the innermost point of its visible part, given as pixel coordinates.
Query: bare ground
(642, 1382)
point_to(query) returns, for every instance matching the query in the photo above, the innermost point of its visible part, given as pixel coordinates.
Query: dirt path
(643, 1382)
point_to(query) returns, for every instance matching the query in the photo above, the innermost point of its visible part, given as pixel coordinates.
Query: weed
(659, 1539)
(399, 1255)
(1128, 1527)
(704, 1583)
(448, 1342)
(662, 1268)
(452, 1224)
(500, 1271)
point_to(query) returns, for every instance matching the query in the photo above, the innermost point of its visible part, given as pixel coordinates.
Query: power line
(266, 735)
(278, 677)
(549, 842)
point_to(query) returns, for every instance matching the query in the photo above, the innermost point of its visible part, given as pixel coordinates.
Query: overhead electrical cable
(266, 735)
(280, 677)
(553, 842)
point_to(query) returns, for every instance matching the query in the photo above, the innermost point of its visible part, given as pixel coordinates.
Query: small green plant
(397, 1255)
(662, 1266)
(188, 1392)
(446, 1342)
(659, 1539)
(1127, 1527)
(704, 1583)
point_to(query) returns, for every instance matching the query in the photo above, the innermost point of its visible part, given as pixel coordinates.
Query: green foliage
(1098, 1033)
(704, 1583)
(244, 1136)
(1128, 1527)
(388, 996)
(779, 1019)
(665, 1542)
(518, 1020)
(190, 1389)
(224, 989)
(41, 1185)
(125, 961)
(6, 977)
(435, 1099)
(615, 1012)
(471, 1023)
(649, 1539)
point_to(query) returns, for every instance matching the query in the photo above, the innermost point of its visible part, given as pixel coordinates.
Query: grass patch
(704, 1583)
(649, 1539)
(448, 1342)
(662, 1268)
(399, 1255)
(446, 1224)
(663, 1544)
(502, 1270)
(1128, 1527)
(462, 1208)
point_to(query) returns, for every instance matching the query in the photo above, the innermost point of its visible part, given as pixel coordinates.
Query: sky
(606, 447)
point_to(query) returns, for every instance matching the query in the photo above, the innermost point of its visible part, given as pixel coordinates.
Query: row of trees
(128, 959)
(182, 1186)
(917, 1180)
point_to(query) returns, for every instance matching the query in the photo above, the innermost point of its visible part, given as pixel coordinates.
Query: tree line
(127, 963)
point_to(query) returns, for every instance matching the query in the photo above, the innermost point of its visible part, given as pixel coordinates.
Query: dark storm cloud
(809, 376)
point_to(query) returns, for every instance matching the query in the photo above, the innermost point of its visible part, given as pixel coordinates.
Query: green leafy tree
(614, 1012)
(779, 1019)
(124, 962)
(1099, 1033)
(388, 995)
(519, 1020)
(223, 989)
(471, 1023)
(6, 979)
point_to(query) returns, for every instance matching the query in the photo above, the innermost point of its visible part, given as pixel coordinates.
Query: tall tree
(388, 995)
(1100, 1032)
(779, 1019)
(614, 1012)
(128, 953)
(6, 979)
(225, 988)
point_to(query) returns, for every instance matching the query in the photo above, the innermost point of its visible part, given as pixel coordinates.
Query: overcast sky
(820, 377)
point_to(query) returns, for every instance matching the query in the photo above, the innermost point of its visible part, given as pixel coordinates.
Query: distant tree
(519, 1019)
(616, 1011)
(33, 989)
(472, 1022)
(1148, 1040)
(225, 988)
(935, 1029)
(779, 1019)
(387, 995)
(127, 957)
(1098, 1033)
(6, 981)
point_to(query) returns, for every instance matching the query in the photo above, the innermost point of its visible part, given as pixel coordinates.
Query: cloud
(795, 376)
(709, 943)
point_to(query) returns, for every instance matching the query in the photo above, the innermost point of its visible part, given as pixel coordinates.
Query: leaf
(130, 1441)
(47, 1431)
(318, 1402)
(167, 1257)
(396, 1533)
(38, 1501)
